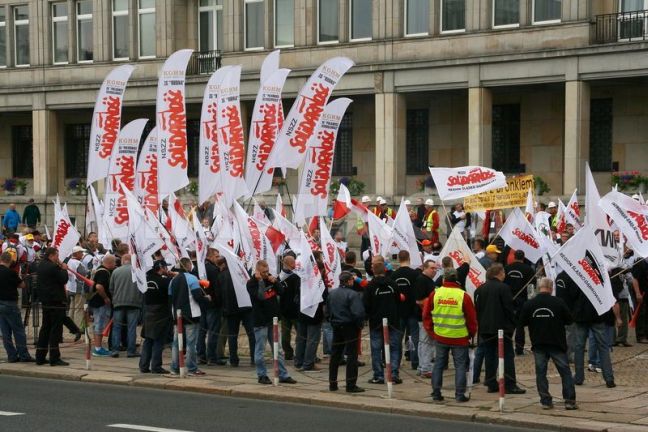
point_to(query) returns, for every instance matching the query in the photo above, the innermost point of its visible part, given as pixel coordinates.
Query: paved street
(46, 405)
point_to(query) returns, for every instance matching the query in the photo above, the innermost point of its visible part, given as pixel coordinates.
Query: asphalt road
(48, 405)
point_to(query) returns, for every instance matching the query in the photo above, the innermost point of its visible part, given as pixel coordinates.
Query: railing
(204, 62)
(621, 27)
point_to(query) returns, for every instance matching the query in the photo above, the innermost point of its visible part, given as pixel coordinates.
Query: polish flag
(276, 237)
(314, 224)
(360, 209)
(342, 204)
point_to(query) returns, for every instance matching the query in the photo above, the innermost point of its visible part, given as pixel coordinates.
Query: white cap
(551, 205)
(381, 201)
(76, 249)
(429, 201)
(635, 197)
(366, 199)
(408, 202)
(378, 199)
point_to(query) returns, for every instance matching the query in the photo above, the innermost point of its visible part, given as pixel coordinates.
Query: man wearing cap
(386, 213)
(428, 254)
(431, 221)
(75, 287)
(346, 314)
(31, 215)
(449, 317)
(377, 210)
(157, 318)
(552, 209)
(491, 257)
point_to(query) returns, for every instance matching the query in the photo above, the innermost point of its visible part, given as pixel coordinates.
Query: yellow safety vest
(429, 220)
(447, 314)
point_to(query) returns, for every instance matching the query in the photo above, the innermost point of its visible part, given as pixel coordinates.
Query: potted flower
(355, 187)
(541, 186)
(629, 180)
(76, 186)
(14, 186)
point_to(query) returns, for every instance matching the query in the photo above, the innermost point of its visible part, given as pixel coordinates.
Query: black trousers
(345, 340)
(50, 334)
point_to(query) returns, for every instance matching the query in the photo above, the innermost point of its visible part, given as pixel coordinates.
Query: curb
(327, 399)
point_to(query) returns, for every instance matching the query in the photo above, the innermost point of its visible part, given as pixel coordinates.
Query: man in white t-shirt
(75, 286)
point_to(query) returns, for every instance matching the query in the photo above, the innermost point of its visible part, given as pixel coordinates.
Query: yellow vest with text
(447, 314)
(429, 221)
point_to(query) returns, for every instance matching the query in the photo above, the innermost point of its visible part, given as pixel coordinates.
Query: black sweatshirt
(546, 316)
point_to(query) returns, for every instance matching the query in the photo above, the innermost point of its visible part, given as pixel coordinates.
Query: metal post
(275, 349)
(86, 335)
(181, 359)
(500, 369)
(388, 371)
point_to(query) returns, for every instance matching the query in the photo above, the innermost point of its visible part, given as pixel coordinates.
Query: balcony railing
(621, 27)
(204, 62)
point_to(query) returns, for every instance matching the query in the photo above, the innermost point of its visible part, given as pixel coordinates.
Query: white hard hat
(408, 202)
(429, 202)
(381, 201)
(366, 199)
(378, 198)
(635, 197)
(551, 205)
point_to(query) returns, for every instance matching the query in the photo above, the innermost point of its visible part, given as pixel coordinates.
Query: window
(453, 16)
(284, 23)
(21, 35)
(360, 19)
(343, 158)
(60, 33)
(632, 21)
(416, 142)
(506, 138)
(546, 11)
(84, 30)
(631, 5)
(506, 13)
(146, 25)
(77, 137)
(254, 24)
(327, 21)
(416, 17)
(3, 37)
(193, 146)
(600, 157)
(22, 152)
(210, 25)
(120, 29)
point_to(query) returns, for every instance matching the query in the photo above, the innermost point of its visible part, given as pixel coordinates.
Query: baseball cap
(426, 243)
(366, 199)
(551, 205)
(429, 201)
(157, 265)
(492, 249)
(345, 277)
(75, 249)
(29, 237)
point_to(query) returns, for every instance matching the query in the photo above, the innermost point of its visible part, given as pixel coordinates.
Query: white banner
(332, 258)
(630, 216)
(171, 120)
(146, 185)
(231, 144)
(290, 149)
(518, 233)
(312, 285)
(106, 122)
(65, 236)
(582, 259)
(209, 166)
(572, 212)
(457, 249)
(455, 183)
(122, 170)
(201, 245)
(596, 218)
(404, 237)
(316, 174)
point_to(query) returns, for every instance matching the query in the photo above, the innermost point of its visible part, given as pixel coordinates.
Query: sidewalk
(624, 408)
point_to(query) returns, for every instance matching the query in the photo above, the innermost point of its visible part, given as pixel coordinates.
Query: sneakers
(264, 380)
(100, 352)
(288, 380)
(196, 373)
(592, 368)
(571, 405)
(376, 381)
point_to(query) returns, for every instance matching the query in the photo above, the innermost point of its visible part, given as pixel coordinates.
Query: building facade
(525, 86)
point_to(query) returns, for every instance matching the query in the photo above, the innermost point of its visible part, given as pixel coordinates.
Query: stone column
(577, 119)
(46, 157)
(480, 126)
(390, 143)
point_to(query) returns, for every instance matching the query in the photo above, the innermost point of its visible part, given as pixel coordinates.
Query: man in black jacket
(52, 277)
(382, 300)
(264, 289)
(157, 318)
(346, 313)
(405, 277)
(494, 305)
(212, 312)
(519, 275)
(546, 316)
(234, 315)
(289, 304)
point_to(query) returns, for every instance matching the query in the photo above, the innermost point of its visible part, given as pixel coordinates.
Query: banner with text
(513, 195)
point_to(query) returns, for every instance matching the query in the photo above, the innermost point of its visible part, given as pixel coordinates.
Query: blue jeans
(151, 354)
(210, 324)
(377, 344)
(460, 359)
(190, 339)
(478, 363)
(411, 324)
(600, 334)
(131, 316)
(593, 352)
(263, 335)
(327, 337)
(100, 316)
(489, 344)
(562, 364)
(308, 337)
(11, 324)
(233, 324)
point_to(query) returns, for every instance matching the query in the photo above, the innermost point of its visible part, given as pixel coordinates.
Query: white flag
(403, 235)
(582, 259)
(146, 185)
(106, 122)
(630, 216)
(201, 245)
(572, 212)
(455, 183)
(332, 258)
(171, 120)
(65, 236)
(457, 249)
(597, 219)
(180, 226)
(259, 214)
(518, 233)
(312, 285)
(529, 210)
(238, 273)
(290, 149)
(379, 236)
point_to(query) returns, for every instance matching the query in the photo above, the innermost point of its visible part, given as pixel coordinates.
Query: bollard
(86, 336)
(181, 359)
(388, 371)
(275, 350)
(500, 368)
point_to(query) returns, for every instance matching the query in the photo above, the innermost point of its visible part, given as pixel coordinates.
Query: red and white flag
(404, 237)
(573, 213)
(529, 210)
(279, 207)
(146, 185)
(201, 245)
(455, 183)
(237, 272)
(231, 143)
(312, 284)
(316, 174)
(209, 166)
(561, 217)
(518, 233)
(259, 214)
(66, 235)
(299, 126)
(106, 122)
(379, 236)
(631, 218)
(171, 121)
(596, 218)
(360, 210)
(122, 170)
(582, 259)
(283, 225)
(181, 228)
(249, 238)
(276, 237)
(332, 258)
(457, 249)
(342, 204)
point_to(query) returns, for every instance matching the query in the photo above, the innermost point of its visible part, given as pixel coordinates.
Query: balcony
(204, 62)
(621, 27)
